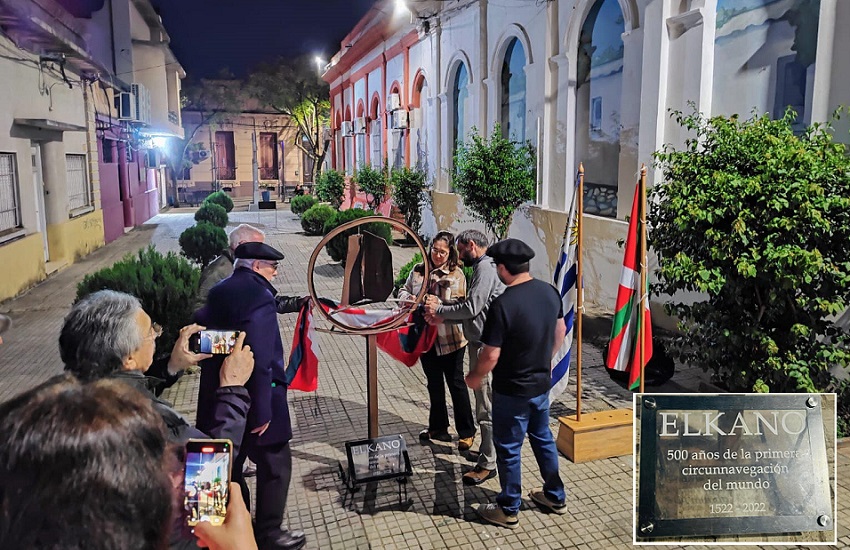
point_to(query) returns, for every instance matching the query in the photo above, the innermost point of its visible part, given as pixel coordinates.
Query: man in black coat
(245, 301)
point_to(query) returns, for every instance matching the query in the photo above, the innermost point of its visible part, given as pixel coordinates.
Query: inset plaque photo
(735, 468)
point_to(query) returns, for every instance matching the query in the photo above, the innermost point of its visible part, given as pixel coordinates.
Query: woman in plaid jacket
(444, 361)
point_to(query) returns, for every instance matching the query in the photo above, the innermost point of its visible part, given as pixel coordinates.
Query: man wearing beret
(245, 301)
(523, 329)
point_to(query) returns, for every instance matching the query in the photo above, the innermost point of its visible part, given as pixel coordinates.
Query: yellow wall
(76, 237)
(23, 265)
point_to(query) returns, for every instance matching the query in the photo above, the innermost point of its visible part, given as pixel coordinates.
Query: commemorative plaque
(732, 465)
(377, 459)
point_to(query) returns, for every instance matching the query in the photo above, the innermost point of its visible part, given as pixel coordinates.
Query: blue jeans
(513, 417)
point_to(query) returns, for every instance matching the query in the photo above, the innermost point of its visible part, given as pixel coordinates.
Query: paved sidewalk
(440, 514)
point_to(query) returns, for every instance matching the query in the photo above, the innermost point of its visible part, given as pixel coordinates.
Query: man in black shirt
(524, 327)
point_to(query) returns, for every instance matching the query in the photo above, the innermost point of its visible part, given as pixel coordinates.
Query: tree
(494, 177)
(756, 219)
(293, 87)
(212, 101)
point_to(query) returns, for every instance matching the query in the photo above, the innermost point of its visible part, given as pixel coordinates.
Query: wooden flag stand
(606, 434)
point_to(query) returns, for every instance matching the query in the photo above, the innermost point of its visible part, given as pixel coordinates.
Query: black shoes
(429, 435)
(288, 540)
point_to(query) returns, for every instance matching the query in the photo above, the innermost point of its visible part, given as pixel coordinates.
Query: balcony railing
(173, 118)
(268, 173)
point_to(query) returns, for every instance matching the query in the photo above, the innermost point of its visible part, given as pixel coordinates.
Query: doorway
(38, 189)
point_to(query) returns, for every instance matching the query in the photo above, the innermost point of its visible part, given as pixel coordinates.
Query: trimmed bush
(165, 284)
(404, 272)
(220, 198)
(212, 213)
(314, 219)
(302, 203)
(330, 187)
(337, 247)
(203, 242)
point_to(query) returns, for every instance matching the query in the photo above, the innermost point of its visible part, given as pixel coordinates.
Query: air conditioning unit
(346, 128)
(399, 120)
(360, 125)
(142, 99)
(203, 154)
(125, 106)
(393, 102)
(415, 118)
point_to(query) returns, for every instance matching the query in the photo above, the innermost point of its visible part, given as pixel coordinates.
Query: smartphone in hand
(217, 342)
(206, 480)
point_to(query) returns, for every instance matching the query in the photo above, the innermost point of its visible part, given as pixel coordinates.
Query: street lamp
(320, 63)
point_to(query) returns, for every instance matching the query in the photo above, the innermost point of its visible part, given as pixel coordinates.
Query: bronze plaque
(732, 465)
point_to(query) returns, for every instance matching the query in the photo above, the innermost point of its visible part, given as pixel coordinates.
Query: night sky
(209, 35)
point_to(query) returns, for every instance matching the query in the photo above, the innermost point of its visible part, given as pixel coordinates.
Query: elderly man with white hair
(222, 268)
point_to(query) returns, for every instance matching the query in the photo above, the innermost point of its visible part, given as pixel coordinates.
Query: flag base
(596, 435)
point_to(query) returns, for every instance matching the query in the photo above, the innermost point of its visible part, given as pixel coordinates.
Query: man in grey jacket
(222, 267)
(472, 312)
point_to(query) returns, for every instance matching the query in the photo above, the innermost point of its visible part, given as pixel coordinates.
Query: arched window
(459, 95)
(513, 92)
(375, 137)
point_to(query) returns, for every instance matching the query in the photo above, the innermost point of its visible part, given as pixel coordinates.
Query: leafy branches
(756, 219)
(293, 88)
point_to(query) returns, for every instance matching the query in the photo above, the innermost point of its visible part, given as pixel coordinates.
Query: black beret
(257, 251)
(510, 251)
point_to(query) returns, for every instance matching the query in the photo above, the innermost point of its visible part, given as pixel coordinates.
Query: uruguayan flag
(565, 282)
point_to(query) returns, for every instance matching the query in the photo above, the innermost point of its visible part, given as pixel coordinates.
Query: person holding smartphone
(245, 301)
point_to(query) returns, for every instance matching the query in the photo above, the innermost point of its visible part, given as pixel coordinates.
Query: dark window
(108, 151)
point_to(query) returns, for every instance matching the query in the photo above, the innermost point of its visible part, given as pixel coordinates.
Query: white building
(586, 81)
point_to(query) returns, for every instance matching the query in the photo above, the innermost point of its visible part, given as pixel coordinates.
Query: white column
(822, 104)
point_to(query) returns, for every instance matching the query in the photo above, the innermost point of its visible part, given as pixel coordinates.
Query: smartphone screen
(206, 480)
(217, 342)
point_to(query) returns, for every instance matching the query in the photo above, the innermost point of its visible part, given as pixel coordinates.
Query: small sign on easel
(377, 459)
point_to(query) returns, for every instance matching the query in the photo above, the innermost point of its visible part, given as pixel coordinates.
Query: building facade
(223, 154)
(66, 69)
(585, 81)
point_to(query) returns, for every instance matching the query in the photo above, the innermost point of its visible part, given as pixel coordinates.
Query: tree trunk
(173, 176)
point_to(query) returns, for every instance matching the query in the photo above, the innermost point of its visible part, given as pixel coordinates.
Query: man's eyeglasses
(272, 265)
(156, 331)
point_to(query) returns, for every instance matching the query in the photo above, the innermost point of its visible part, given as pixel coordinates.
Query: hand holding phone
(216, 342)
(238, 366)
(182, 357)
(235, 532)
(206, 480)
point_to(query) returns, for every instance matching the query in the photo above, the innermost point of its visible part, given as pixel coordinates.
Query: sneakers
(428, 435)
(493, 513)
(478, 475)
(538, 496)
(464, 443)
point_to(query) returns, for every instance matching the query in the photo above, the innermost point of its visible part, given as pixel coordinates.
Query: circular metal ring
(402, 318)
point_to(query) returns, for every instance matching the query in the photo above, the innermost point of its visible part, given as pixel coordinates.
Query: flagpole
(579, 284)
(642, 264)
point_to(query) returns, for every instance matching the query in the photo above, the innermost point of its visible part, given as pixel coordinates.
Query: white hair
(245, 233)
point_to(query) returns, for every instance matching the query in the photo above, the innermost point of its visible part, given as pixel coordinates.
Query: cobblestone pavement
(439, 513)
